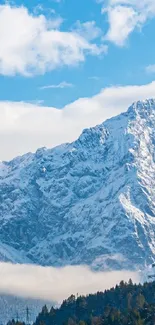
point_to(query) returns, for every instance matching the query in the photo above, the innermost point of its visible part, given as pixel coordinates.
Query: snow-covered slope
(12, 307)
(10, 254)
(91, 201)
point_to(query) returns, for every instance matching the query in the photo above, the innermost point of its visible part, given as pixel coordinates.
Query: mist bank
(55, 284)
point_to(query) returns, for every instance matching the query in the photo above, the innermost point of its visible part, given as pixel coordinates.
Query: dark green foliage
(126, 304)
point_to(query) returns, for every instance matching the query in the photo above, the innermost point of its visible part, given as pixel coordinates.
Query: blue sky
(70, 64)
(122, 65)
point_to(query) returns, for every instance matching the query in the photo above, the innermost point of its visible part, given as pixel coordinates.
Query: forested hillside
(125, 304)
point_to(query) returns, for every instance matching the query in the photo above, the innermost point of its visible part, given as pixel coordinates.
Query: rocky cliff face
(91, 201)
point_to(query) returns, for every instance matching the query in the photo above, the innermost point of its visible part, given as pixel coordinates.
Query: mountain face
(89, 202)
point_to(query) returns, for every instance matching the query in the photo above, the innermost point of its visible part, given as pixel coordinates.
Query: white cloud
(88, 30)
(25, 127)
(126, 15)
(56, 284)
(150, 68)
(33, 44)
(122, 22)
(61, 85)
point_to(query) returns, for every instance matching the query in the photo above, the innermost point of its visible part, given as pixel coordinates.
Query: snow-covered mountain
(91, 201)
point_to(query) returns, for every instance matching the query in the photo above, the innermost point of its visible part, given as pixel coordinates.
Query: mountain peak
(143, 107)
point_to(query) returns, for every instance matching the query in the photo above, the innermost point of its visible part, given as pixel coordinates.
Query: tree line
(124, 304)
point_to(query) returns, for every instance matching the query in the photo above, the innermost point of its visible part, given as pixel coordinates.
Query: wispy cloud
(57, 1)
(61, 85)
(41, 9)
(89, 30)
(150, 68)
(94, 78)
(36, 101)
(56, 284)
